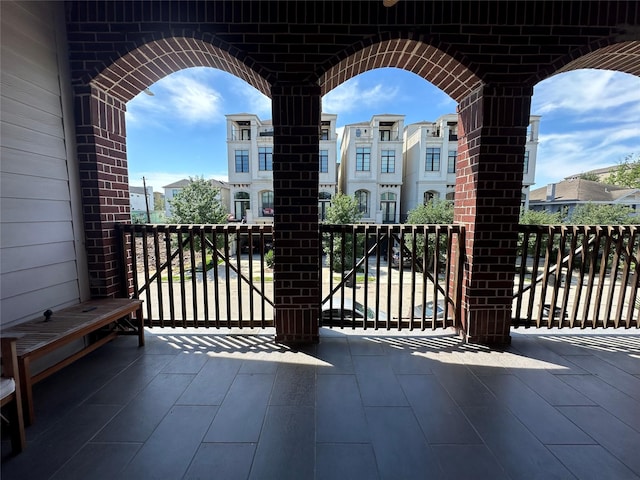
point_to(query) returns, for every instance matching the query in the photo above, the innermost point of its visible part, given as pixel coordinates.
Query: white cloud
(564, 154)
(184, 95)
(256, 101)
(350, 96)
(586, 92)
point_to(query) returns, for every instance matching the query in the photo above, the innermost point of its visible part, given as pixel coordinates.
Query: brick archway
(604, 55)
(429, 62)
(101, 139)
(138, 69)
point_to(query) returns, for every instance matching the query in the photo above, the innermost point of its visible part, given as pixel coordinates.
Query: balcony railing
(379, 276)
(577, 276)
(390, 276)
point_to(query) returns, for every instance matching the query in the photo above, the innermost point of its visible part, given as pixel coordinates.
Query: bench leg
(140, 323)
(26, 391)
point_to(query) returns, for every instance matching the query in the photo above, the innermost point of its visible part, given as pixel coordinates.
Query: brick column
(101, 139)
(296, 125)
(491, 139)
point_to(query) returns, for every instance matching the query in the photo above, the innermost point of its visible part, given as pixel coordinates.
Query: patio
(357, 405)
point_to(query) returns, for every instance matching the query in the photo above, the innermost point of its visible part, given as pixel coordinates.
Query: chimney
(551, 192)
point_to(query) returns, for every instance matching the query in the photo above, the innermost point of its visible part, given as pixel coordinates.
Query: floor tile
(98, 461)
(399, 445)
(170, 449)
(345, 461)
(611, 374)
(228, 461)
(519, 452)
(441, 419)
(186, 362)
(241, 414)
(340, 416)
(611, 399)
(592, 462)
(286, 449)
(617, 437)
(138, 419)
(552, 388)
(543, 420)
(294, 385)
(378, 384)
(468, 462)
(211, 384)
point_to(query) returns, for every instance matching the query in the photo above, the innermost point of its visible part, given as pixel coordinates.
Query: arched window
(266, 203)
(324, 200)
(388, 206)
(362, 197)
(241, 204)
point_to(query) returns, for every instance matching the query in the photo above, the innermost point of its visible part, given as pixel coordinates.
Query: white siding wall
(42, 257)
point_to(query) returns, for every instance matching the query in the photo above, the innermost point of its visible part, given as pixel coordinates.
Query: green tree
(628, 172)
(158, 201)
(435, 211)
(198, 203)
(540, 217)
(602, 214)
(344, 210)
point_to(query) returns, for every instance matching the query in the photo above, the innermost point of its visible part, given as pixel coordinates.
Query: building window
(174, 192)
(324, 161)
(240, 205)
(385, 135)
(432, 163)
(242, 161)
(363, 159)
(245, 134)
(526, 161)
(324, 200)
(388, 207)
(362, 197)
(324, 134)
(428, 196)
(388, 161)
(451, 161)
(266, 203)
(265, 158)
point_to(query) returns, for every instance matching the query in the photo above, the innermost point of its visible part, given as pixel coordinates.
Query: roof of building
(580, 190)
(186, 181)
(139, 190)
(597, 171)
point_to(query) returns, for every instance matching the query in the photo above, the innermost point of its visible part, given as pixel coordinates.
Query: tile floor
(356, 406)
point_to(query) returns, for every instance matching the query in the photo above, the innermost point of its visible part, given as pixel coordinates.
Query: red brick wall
(491, 138)
(102, 159)
(296, 124)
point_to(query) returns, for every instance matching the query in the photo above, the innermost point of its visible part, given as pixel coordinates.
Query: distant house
(173, 189)
(137, 199)
(568, 194)
(601, 173)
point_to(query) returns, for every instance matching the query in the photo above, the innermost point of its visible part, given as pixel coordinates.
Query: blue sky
(590, 119)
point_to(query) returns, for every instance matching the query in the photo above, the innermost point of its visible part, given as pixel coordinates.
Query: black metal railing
(577, 276)
(390, 276)
(199, 275)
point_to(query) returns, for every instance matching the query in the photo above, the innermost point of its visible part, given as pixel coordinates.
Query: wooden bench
(105, 317)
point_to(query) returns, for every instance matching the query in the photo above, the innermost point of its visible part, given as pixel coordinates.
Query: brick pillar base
(296, 125)
(492, 129)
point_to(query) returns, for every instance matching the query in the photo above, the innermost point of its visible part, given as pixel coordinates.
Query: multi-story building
(430, 155)
(140, 202)
(250, 159)
(371, 167)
